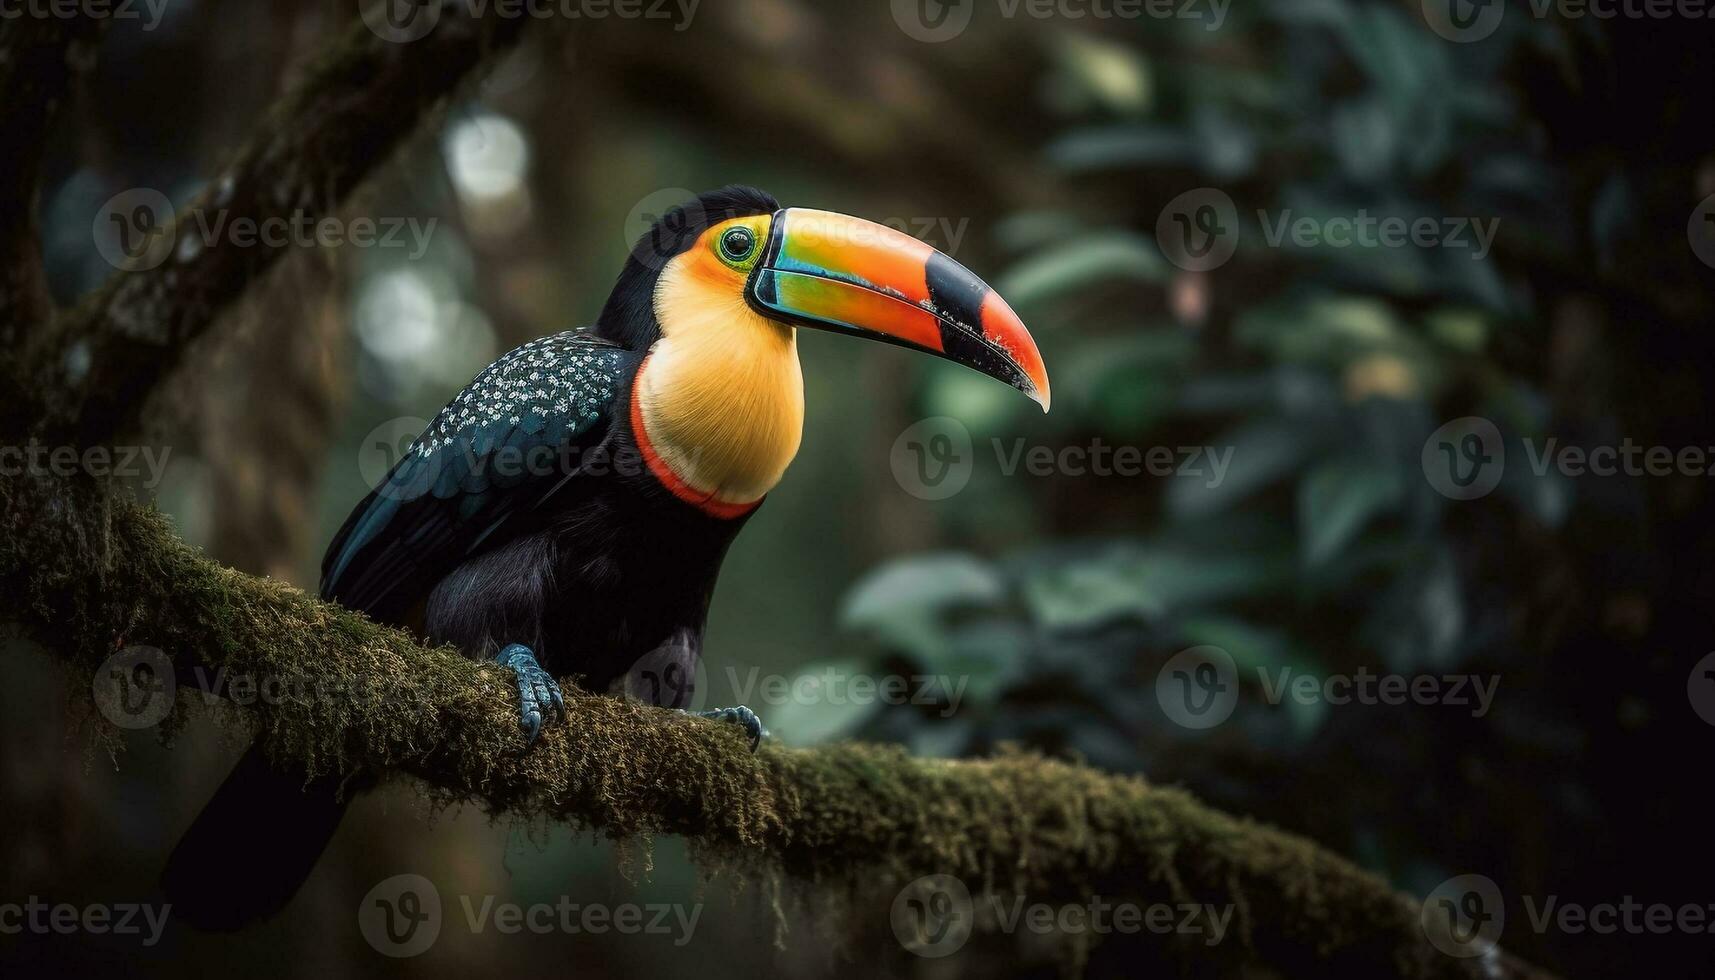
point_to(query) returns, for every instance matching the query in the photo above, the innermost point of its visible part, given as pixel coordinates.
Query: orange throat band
(703, 500)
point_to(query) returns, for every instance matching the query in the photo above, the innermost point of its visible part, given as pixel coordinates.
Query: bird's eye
(737, 244)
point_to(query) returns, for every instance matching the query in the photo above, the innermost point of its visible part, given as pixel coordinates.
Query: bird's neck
(718, 405)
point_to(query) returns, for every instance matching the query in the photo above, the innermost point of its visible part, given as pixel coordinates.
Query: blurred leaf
(1261, 452)
(957, 392)
(821, 715)
(1026, 230)
(1326, 329)
(1464, 330)
(1366, 137)
(1128, 582)
(1133, 146)
(1612, 214)
(1125, 383)
(1478, 280)
(985, 658)
(1115, 75)
(1094, 258)
(1419, 623)
(931, 582)
(1226, 146)
(1338, 498)
(1546, 496)
(901, 604)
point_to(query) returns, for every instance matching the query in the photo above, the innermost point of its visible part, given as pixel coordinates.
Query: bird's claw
(741, 716)
(538, 693)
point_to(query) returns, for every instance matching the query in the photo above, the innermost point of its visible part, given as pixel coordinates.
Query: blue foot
(538, 692)
(741, 716)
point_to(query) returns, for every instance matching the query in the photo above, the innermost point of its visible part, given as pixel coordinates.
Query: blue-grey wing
(505, 444)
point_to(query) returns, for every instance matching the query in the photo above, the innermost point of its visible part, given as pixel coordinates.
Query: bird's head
(736, 255)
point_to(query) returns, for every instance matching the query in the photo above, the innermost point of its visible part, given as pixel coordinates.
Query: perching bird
(567, 512)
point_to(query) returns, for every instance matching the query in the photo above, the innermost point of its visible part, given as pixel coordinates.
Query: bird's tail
(252, 846)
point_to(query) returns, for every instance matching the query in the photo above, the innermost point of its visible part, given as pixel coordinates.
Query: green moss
(89, 573)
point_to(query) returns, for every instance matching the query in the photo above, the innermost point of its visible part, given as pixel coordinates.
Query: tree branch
(92, 571)
(39, 55)
(355, 104)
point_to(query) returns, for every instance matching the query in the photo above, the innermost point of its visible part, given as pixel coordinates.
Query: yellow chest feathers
(719, 402)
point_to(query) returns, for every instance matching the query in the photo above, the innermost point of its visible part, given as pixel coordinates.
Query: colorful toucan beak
(836, 272)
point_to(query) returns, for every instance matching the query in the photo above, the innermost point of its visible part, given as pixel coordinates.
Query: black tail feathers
(253, 845)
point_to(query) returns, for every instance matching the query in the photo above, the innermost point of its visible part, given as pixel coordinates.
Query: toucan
(567, 512)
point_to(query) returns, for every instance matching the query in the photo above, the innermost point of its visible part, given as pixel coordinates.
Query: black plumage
(523, 514)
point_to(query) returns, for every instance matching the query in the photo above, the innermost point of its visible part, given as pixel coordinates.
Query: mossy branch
(360, 99)
(91, 571)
